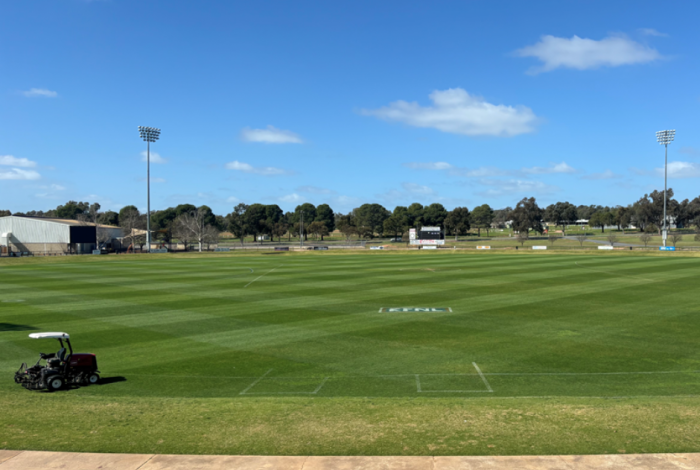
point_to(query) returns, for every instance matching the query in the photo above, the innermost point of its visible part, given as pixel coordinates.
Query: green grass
(584, 353)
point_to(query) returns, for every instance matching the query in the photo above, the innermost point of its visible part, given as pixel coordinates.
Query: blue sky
(345, 103)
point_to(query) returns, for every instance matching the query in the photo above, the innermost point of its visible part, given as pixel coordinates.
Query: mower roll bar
(68, 343)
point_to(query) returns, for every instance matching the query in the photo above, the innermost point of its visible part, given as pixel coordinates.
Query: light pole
(301, 230)
(149, 134)
(665, 138)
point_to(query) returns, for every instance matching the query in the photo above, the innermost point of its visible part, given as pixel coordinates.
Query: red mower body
(85, 361)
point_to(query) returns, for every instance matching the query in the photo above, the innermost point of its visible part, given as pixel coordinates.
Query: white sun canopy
(55, 335)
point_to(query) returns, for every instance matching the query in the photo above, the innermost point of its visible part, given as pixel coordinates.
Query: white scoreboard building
(426, 236)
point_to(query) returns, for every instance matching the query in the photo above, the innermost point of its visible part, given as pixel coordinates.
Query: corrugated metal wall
(26, 230)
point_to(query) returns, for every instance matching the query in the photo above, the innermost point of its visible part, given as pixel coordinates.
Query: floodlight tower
(665, 138)
(149, 134)
(301, 230)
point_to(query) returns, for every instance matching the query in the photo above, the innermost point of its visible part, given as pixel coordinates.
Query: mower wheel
(93, 379)
(55, 382)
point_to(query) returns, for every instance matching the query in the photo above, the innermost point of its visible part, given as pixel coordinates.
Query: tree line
(191, 224)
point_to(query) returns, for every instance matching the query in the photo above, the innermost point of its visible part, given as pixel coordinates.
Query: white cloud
(232, 200)
(270, 135)
(581, 53)
(501, 187)
(457, 112)
(552, 169)
(652, 32)
(9, 160)
(18, 174)
(681, 170)
(40, 92)
(414, 188)
(315, 190)
(294, 197)
(428, 165)
(247, 168)
(155, 158)
(606, 175)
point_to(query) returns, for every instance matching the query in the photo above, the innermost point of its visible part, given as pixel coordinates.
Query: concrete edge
(31, 460)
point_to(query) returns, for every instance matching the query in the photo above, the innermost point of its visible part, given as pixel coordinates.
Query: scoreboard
(426, 236)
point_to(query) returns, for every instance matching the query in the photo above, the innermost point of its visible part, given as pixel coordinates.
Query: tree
(279, 229)
(255, 219)
(325, 215)
(482, 217)
(612, 239)
(527, 216)
(162, 224)
(132, 223)
(109, 218)
(522, 237)
(192, 226)
(414, 212)
(561, 213)
(645, 238)
(623, 217)
(236, 222)
(434, 215)
(309, 211)
(348, 230)
(401, 212)
(210, 235)
(675, 237)
(553, 238)
(581, 239)
(395, 224)
(601, 219)
(71, 209)
(317, 229)
(650, 208)
(697, 237)
(457, 221)
(5, 213)
(501, 217)
(369, 219)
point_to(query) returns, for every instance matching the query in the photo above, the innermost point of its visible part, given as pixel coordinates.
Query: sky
(346, 102)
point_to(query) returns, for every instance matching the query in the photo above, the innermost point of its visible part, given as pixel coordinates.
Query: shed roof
(60, 221)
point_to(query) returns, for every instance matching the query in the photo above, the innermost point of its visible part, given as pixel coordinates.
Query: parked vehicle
(60, 369)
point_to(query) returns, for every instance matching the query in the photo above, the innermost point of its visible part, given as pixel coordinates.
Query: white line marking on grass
(486, 382)
(596, 373)
(253, 384)
(12, 301)
(261, 276)
(316, 390)
(325, 379)
(419, 388)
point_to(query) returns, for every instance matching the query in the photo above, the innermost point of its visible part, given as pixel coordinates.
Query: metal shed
(39, 235)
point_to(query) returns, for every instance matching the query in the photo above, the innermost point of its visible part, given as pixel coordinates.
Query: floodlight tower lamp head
(149, 134)
(665, 137)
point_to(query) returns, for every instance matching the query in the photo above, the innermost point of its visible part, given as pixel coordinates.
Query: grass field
(290, 354)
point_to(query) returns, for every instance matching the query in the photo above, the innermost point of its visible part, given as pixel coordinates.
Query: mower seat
(61, 354)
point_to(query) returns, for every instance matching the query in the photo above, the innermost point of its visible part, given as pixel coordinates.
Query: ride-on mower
(61, 369)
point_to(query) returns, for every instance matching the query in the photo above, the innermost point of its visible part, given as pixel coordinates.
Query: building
(39, 235)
